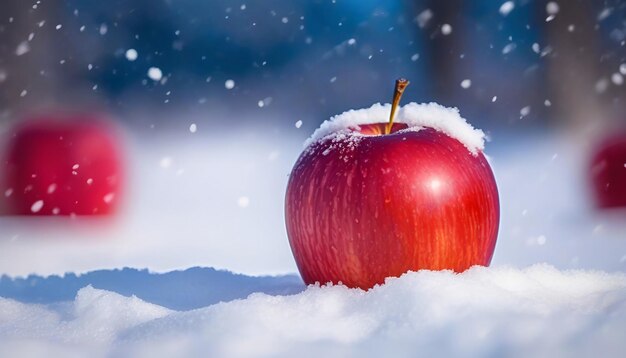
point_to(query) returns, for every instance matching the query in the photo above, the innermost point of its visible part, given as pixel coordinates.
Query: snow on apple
(415, 116)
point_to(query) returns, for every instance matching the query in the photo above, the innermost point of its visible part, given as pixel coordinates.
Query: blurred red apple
(359, 210)
(62, 165)
(608, 172)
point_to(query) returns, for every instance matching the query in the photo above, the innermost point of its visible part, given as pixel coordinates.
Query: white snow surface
(501, 311)
(416, 116)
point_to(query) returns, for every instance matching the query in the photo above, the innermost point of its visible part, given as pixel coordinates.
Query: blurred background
(211, 101)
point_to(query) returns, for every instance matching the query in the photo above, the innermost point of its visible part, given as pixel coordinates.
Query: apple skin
(608, 172)
(406, 201)
(40, 164)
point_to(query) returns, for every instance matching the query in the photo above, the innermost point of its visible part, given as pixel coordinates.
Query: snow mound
(92, 321)
(416, 116)
(538, 311)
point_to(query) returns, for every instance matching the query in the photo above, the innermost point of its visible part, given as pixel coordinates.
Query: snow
(229, 84)
(188, 289)
(552, 8)
(446, 29)
(416, 116)
(536, 48)
(243, 201)
(524, 111)
(22, 48)
(155, 73)
(617, 79)
(507, 7)
(37, 205)
(508, 48)
(601, 85)
(131, 54)
(193, 128)
(466, 83)
(606, 12)
(424, 18)
(537, 311)
(166, 162)
(108, 198)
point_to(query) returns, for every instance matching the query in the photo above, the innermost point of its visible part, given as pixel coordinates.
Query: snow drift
(192, 288)
(538, 311)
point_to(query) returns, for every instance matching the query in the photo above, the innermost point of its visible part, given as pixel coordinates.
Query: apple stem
(401, 84)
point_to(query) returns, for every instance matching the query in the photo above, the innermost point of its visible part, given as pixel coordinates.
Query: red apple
(358, 211)
(608, 172)
(62, 165)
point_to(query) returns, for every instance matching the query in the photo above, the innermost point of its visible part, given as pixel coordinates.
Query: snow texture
(416, 116)
(537, 311)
